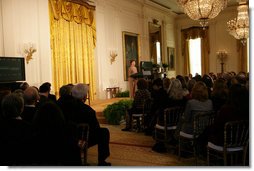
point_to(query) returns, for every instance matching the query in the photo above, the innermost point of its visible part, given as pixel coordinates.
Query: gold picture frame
(130, 51)
(171, 58)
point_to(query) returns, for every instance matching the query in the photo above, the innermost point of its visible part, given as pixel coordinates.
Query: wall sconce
(113, 55)
(29, 50)
(222, 56)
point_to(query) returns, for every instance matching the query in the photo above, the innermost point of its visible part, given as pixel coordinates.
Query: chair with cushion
(201, 120)
(138, 119)
(164, 130)
(236, 140)
(83, 134)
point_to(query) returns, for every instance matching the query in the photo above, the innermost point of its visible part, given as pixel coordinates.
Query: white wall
(112, 18)
(27, 21)
(220, 39)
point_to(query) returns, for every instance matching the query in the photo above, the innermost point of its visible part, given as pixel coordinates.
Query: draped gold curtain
(73, 37)
(193, 33)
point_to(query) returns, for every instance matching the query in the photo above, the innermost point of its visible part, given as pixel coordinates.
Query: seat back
(172, 115)
(83, 135)
(202, 119)
(236, 134)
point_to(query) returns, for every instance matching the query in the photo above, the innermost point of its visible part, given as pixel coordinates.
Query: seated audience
(16, 140)
(141, 95)
(236, 108)
(55, 145)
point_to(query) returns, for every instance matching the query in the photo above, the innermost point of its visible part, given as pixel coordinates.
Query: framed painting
(130, 51)
(171, 58)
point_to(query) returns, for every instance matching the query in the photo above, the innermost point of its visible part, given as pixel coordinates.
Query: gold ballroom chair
(138, 119)
(201, 120)
(83, 134)
(236, 140)
(164, 130)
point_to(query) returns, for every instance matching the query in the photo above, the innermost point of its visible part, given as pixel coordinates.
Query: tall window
(248, 55)
(158, 52)
(195, 56)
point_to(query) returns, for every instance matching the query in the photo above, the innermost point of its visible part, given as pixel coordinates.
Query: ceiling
(174, 7)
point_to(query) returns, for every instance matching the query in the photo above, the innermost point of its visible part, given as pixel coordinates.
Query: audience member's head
(31, 96)
(19, 92)
(166, 83)
(45, 88)
(65, 90)
(12, 106)
(199, 91)
(79, 91)
(176, 90)
(208, 81)
(220, 87)
(191, 84)
(142, 84)
(157, 84)
(23, 86)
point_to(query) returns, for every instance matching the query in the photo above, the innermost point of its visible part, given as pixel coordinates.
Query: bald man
(31, 97)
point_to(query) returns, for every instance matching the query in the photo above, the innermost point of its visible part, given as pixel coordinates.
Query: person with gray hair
(79, 112)
(80, 91)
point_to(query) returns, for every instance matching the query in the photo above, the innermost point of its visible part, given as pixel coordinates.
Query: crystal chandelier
(202, 10)
(239, 27)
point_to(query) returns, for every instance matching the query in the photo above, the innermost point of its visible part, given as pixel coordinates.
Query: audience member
(23, 86)
(83, 113)
(199, 101)
(16, 140)
(219, 94)
(55, 146)
(141, 95)
(31, 97)
(44, 91)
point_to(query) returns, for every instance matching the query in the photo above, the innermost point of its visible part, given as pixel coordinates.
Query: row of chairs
(236, 133)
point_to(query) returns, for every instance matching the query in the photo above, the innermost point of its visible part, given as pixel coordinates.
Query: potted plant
(116, 111)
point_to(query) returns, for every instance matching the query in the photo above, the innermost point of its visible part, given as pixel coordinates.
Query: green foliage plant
(116, 111)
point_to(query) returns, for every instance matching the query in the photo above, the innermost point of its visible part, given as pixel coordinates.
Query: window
(158, 52)
(195, 56)
(248, 55)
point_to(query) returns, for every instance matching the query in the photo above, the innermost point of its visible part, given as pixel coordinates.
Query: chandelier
(239, 27)
(202, 10)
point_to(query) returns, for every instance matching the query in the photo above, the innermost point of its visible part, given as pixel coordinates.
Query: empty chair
(201, 120)
(236, 140)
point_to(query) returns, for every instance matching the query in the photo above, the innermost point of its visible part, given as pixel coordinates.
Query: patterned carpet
(135, 149)
(132, 148)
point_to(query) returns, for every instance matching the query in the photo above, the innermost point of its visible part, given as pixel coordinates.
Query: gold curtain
(193, 33)
(242, 56)
(73, 37)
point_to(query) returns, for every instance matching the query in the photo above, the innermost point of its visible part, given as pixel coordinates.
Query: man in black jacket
(75, 109)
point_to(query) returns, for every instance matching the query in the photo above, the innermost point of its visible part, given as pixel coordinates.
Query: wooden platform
(100, 105)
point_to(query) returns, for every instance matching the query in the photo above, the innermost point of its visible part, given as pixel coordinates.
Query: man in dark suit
(31, 97)
(75, 110)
